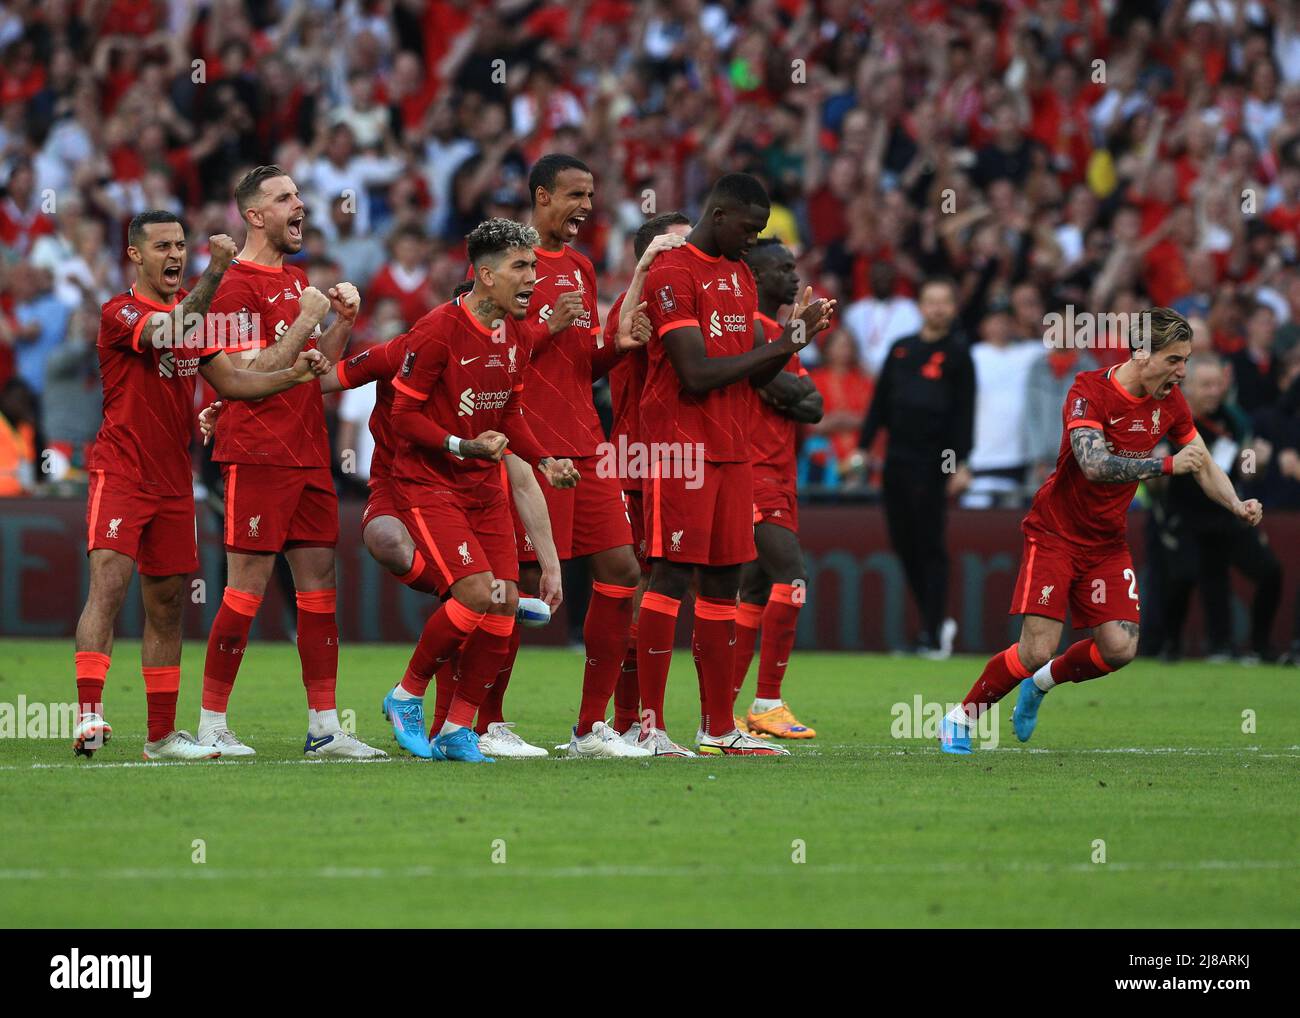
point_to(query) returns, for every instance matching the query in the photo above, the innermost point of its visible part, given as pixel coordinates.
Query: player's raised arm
(531, 505)
(345, 302)
(1218, 485)
(313, 306)
(166, 326)
(1099, 464)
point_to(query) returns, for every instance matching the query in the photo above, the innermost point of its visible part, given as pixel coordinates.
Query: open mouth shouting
(171, 275)
(521, 301)
(572, 223)
(294, 228)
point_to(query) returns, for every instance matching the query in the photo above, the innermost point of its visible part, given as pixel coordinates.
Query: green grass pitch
(1198, 818)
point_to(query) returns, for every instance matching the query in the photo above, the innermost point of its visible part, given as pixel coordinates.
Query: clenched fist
(310, 364)
(1250, 511)
(491, 445)
(568, 309)
(638, 334)
(345, 299)
(560, 473)
(222, 251)
(315, 305)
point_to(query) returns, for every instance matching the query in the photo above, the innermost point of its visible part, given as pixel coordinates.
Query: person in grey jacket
(1049, 381)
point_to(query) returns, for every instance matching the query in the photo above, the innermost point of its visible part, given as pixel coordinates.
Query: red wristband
(1167, 465)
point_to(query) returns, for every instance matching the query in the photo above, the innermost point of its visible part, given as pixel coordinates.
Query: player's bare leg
(1039, 637)
(1113, 645)
(615, 575)
(481, 659)
(780, 561)
(110, 577)
(160, 661)
(389, 544)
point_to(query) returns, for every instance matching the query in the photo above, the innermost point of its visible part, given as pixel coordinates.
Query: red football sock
(780, 618)
(422, 576)
(445, 631)
(654, 654)
(999, 677)
(226, 645)
(318, 647)
(91, 670)
(1080, 662)
(493, 708)
(627, 697)
(480, 660)
(444, 691)
(609, 614)
(161, 687)
(715, 625)
(748, 618)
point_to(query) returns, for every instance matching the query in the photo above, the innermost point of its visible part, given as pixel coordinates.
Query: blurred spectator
(406, 278)
(877, 321)
(846, 393)
(360, 255)
(42, 321)
(72, 407)
(1046, 386)
(999, 457)
(17, 439)
(1254, 367)
(1200, 541)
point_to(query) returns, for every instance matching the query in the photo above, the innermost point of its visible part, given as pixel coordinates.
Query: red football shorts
(381, 502)
(462, 539)
(776, 502)
(270, 508)
(157, 531)
(636, 516)
(586, 519)
(707, 520)
(1096, 584)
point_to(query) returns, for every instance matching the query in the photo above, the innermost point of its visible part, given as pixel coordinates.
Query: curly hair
(494, 237)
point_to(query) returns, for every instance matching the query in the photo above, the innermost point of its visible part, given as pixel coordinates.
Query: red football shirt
(148, 400)
(378, 364)
(1085, 512)
(253, 307)
(686, 287)
(774, 433)
(557, 389)
(470, 380)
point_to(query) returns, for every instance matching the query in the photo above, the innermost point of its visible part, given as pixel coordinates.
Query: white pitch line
(901, 748)
(204, 872)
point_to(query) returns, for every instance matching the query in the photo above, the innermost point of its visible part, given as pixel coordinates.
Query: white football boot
(226, 741)
(338, 744)
(602, 742)
(499, 740)
(656, 741)
(179, 746)
(633, 735)
(736, 743)
(92, 733)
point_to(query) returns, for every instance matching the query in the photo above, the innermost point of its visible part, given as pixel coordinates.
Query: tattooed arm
(1099, 464)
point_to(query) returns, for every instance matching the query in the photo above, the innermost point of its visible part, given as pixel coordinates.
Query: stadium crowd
(1041, 153)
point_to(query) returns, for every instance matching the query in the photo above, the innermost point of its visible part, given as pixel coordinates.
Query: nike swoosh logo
(782, 664)
(1115, 420)
(539, 279)
(468, 360)
(272, 300)
(707, 285)
(314, 744)
(668, 651)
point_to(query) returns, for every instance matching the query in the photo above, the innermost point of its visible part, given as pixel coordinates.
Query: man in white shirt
(876, 322)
